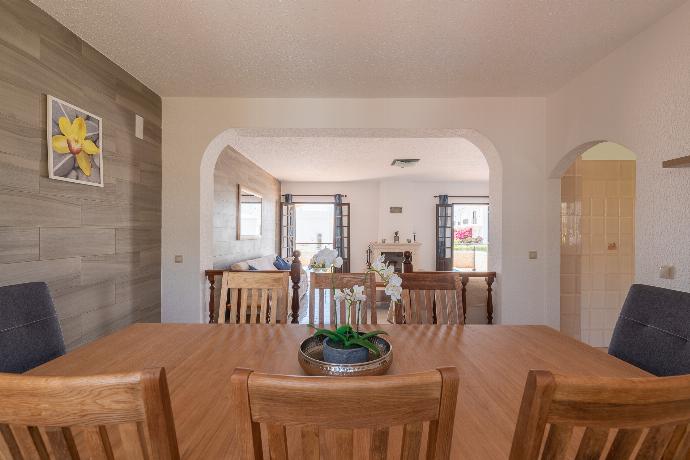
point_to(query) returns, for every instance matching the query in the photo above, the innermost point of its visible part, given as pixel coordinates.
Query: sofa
(265, 263)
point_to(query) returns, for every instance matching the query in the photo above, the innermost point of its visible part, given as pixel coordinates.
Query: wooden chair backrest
(642, 418)
(128, 415)
(323, 284)
(247, 297)
(431, 298)
(327, 409)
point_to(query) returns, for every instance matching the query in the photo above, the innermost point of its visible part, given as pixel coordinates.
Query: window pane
(314, 228)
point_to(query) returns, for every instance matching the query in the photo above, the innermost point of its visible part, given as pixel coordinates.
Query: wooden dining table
(492, 361)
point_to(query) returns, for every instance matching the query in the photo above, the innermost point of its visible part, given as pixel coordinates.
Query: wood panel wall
(97, 248)
(233, 168)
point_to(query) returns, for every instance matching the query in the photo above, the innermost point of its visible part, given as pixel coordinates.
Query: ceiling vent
(405, 162)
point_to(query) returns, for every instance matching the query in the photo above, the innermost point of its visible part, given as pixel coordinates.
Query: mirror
(249, 214)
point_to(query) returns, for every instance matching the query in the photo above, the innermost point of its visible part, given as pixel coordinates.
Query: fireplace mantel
(377, 248)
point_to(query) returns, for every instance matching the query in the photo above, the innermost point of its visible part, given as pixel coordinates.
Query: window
(470, 237)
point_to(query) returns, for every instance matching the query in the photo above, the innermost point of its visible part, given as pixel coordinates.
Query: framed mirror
(248, 213)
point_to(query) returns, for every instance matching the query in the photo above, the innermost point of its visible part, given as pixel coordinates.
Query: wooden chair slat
(424, 316)
(624, 444)
(342, 311)
(223, 303)
(592, 444)
(433, 297)
(322, 301)
(412, 441)
(674, 443)
(234, 306)
(312, 306)
(10, 441)
(333, 306)
(310, 442)
(243, 305)
(62, 443)
(38, 443)
(343, 444)
(253, 306)
(406, 301)
(379, 444)
(655, 442)
(557, 441)
(277, 442)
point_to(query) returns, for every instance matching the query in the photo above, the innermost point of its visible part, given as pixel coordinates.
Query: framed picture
(75, 144)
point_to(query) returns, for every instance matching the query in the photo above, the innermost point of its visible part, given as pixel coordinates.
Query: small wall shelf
(682, 162)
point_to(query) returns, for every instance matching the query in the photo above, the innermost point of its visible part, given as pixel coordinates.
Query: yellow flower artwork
(75, 152)
(73, 140)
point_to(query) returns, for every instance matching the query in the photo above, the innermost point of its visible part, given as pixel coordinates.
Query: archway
(229, 138)
(597, 239)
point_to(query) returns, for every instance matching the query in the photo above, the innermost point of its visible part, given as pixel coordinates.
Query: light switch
(178, 259)
(138, 126)
(667, 272)
(533, 255)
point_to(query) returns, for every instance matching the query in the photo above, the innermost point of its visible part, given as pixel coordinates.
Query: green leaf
(330, 334)
(372, 334)
(344, 329)
(367, 344)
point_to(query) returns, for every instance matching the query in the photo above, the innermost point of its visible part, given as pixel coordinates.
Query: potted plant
(345, 344)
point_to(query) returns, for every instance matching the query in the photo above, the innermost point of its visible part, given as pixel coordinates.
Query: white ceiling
(336, 159)
(344, 48)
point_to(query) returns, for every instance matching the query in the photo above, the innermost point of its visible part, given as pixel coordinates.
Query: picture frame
(75, 147)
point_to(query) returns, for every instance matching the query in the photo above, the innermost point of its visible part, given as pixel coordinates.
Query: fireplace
(395, 259)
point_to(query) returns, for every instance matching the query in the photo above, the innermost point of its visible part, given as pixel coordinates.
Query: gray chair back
(653, 329)
(30, 333)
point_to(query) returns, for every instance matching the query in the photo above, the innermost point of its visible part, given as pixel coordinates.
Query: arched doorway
(230, 138)
(597, 239)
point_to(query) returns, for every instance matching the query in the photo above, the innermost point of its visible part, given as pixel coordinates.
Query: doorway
(314, 224)
(597, 241)
(470, 237)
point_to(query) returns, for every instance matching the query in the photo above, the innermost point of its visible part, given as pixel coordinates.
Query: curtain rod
(465, 196)
(297, 194)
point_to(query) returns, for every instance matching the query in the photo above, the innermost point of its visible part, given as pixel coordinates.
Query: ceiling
(343, 48)
(339, 159)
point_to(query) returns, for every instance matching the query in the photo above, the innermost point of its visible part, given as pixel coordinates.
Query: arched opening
(597, 239)
(233, 139)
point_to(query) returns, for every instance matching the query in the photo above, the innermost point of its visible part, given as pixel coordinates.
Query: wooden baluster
(489, 300)
(211, 277)
(464, 280)
(295, 274)
(407, 262)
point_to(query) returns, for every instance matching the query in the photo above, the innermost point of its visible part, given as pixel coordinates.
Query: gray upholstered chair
(653, 330)
(30, 334)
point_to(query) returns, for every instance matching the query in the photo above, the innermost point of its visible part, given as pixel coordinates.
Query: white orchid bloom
(338, 262)
(394, 280)
(394, 292)
(339, 294)
(387, 272)
(358, 293)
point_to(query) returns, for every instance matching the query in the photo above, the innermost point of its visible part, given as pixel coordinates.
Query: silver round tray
(310, 356)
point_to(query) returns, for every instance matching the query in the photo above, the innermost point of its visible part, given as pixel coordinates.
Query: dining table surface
(492, 362)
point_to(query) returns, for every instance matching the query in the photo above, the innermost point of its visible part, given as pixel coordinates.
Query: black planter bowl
(311, 359)
(337, 355)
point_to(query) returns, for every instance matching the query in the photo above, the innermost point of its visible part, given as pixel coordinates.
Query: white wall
(638, 97)
(512, 127)
(371, 219)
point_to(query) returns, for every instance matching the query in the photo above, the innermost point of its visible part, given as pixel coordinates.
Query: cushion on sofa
(263, 263)
(281, 264)
(240, 266)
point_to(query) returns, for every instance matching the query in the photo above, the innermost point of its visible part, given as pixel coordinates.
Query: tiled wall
(597, 246)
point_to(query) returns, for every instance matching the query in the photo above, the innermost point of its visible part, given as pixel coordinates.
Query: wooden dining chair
(323, 284)
(327, 409)
(247, 297)
(99, 416)
(431, 298)
(612, 418)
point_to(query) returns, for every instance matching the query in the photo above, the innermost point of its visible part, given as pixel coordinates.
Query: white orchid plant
(345, 335)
